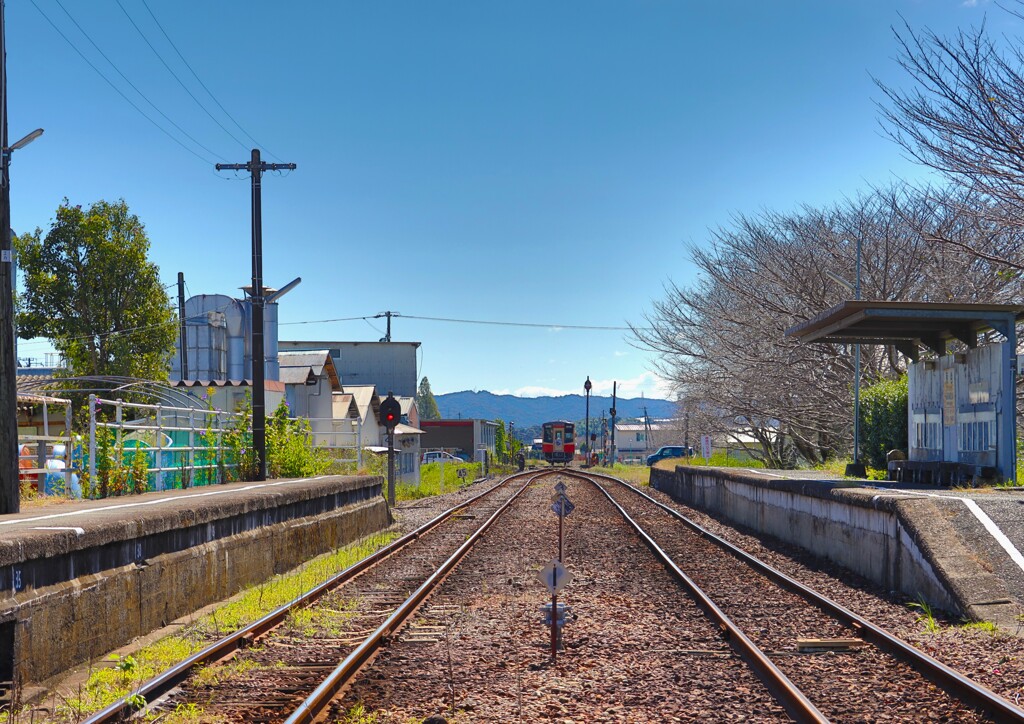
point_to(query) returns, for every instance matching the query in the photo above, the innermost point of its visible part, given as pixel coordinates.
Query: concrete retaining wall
(901, 543)
(74, 594)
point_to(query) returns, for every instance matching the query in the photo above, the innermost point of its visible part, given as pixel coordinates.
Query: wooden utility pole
(10, 493)
(259, 397)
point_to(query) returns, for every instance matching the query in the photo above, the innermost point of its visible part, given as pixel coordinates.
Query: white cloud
(617, 353)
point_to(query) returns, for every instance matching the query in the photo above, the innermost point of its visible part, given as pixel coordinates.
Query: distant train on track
(559, 442)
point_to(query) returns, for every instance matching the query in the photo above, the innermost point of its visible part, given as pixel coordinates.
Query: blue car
(669, 451)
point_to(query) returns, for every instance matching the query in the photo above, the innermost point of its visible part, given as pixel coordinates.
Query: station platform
(80, 578)
(958, 549)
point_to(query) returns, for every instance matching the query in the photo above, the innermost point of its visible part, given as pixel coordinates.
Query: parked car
(669, 451)
(439, 456)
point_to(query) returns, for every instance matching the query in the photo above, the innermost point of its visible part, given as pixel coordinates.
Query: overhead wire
(200, 81)
(207, 160)
(175, 75)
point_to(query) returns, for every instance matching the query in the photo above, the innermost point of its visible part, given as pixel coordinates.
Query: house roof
(366, 399)
(344, 405)
(908, 325)
(298, 368)
(401, 429)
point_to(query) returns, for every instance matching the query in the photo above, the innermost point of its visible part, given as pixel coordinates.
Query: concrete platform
(958, 550)
(79, 579)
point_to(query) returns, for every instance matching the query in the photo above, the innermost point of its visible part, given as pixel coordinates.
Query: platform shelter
(961, 415)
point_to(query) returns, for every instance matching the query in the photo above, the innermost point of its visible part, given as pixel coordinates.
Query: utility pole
(256, 167)
(611, 413)
(10, 492)
(183, 335)
(389, 315)
(587, 386)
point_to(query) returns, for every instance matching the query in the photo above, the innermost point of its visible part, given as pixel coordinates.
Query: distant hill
(529, 411)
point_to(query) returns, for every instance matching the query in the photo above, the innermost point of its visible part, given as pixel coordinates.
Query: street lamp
(586, 436)
(856, 468)
(9, 487)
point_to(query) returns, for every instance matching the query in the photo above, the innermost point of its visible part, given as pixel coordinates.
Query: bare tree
(722, 341)
(965, 118)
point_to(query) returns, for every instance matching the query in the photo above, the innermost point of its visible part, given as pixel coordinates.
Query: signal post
(390, 414)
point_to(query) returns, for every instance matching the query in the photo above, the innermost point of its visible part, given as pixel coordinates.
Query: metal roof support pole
(1008, 438)
(856, 378)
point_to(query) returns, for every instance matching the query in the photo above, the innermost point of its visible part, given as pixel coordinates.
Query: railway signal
(390, 414)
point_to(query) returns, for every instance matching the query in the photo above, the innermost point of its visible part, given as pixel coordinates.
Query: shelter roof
(908, 325)
(403, 429)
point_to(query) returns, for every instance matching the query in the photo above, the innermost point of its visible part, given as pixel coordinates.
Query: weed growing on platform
(109, 684)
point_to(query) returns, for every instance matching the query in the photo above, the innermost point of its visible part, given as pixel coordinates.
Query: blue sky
(530, 162)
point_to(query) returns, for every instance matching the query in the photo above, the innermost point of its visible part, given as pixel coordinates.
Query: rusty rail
(161, 684)
(794, 701)
(949, 680)
(316, 703)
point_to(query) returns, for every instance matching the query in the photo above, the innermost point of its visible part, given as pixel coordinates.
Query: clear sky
(531, 162)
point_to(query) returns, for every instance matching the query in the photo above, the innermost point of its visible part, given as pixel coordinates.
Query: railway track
(775, 611)
(639, 652)
(272, 664)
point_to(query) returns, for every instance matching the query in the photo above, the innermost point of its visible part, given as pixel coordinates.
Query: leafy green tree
(91, 289)
(500, 439)
(883, 417)
(426, 405)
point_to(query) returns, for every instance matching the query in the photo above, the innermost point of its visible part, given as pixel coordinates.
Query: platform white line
(989, 524)
(159, 501)
(79, 531)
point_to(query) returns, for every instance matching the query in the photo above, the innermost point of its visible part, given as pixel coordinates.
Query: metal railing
(183, 446)
(342, 438)
(48, 457)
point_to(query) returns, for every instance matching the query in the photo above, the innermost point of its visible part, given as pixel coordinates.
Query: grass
(111, 683)
(982, 626)
(432, 484)
(925, 616)
(637, 474)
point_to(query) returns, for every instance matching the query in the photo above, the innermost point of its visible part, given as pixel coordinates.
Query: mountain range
(529, 411)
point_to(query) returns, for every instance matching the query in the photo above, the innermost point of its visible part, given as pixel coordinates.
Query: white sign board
(705, 447)
(555, 576)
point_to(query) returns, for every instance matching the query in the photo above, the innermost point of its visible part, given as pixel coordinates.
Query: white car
(439, 456)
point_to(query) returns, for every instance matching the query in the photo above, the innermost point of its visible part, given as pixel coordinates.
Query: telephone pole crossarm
(256, 169)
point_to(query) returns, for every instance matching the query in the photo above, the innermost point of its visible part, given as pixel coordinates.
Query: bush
(883, 420)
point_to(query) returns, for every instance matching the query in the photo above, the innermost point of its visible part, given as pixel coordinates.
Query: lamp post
(9, 488)
(586, 435)
(511, 441)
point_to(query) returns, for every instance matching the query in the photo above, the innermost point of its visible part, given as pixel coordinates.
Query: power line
(200, 81)
(175, 75)
(118, 90)
(518, 324)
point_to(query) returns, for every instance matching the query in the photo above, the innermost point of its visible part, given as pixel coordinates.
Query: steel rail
(317, 702)
(794, 701)
(949, 680)
(164, 682)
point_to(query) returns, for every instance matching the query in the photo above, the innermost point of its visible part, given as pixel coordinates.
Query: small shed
(961, 419)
